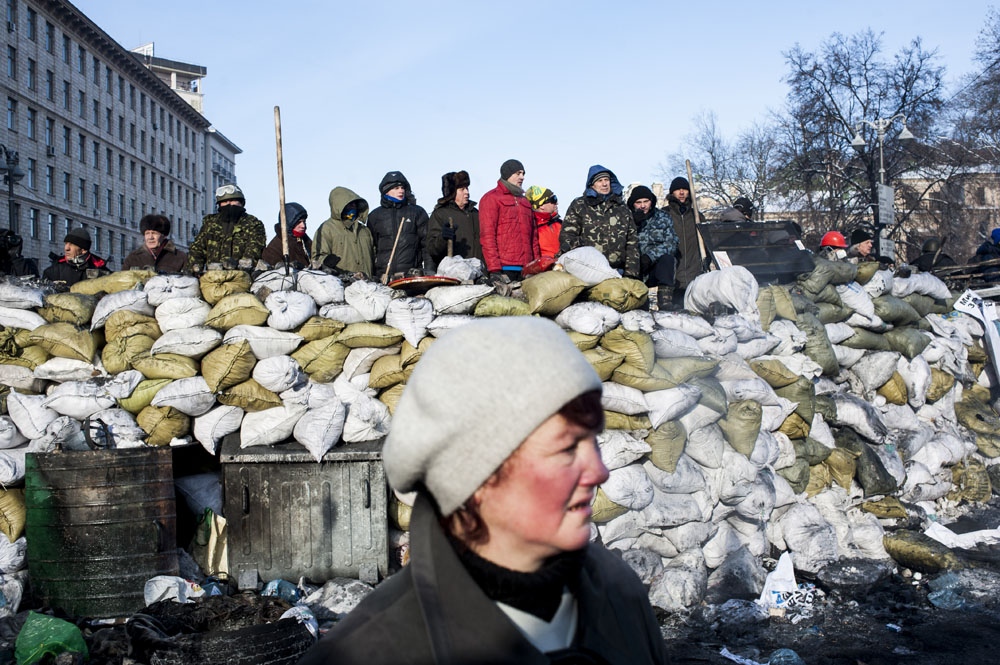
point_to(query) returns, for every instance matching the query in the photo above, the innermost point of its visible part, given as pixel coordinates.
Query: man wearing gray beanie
(496, 432)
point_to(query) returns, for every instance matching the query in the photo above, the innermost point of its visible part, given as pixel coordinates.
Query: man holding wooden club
(690, 256)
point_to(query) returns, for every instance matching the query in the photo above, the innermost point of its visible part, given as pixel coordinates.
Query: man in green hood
(344, 242)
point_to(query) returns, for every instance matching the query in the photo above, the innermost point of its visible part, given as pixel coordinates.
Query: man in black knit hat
(76, 260)
(690, 263)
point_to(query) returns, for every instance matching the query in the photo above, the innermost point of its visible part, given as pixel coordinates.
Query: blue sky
(434, 86)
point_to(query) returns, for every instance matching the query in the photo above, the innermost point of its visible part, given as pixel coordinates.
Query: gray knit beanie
(474, 397)
(509, 168)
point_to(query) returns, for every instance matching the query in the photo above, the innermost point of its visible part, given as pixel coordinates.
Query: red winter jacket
(548, 225)
(507, 229)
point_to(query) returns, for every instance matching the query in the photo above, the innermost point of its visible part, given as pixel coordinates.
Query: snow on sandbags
(289, 309)
(161, 288)
(132, 300)
(588, 265)
(368, 298)
(411, 316)
(733, 287)
(446, 322)
(321, 287)
(180, 313)
(192, 342)
(589, 318)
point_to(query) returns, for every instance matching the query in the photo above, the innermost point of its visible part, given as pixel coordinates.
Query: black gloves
(448, 232)
(645, 263)
(331, 261)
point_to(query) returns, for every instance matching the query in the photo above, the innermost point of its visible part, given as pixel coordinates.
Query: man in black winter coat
(11, 261)
(399, 215)
(76, 260)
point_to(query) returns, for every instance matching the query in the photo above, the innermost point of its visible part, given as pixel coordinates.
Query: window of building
(32, 24)
(152, 184)
(50, 36)
(95, 70)
(111, 240)
(81, 191)
(131, 134)
(121, 88)
(107, 79)
(96, 112)
(52, 228)
(131, 96)
(31, 123)
(49, 124)
(107, 119)
(32, 67)
(121, 205)
(49, 174)
(107, 200)
(121, 167)
(142, 141)
(95, 154)
(11, 62)
(65, 95)
(81, 60)
(142, 104)
(95, 196)
(65, 186)
(66, 140)
(12, 114)
(81, 104)
(131, 172)
(108, 161)
(66, 48)
(170, 124)
(31, 173)
(121, 128)
(81, 147)
(33, 222)
(131, 208)
(142, 178)
(122, 239)
(97, 238)
(50, 85)
(171, 186)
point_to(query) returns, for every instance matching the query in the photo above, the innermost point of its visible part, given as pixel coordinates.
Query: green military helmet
(229, 193)
(932, 244)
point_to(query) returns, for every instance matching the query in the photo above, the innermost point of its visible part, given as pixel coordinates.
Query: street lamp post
(12, 174)
(880, 126)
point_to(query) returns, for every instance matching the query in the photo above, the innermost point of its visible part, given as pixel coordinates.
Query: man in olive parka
(343, 241)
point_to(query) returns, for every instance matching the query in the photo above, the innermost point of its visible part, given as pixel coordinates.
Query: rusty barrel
(99, 524)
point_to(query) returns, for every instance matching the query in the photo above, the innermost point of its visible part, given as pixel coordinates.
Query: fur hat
(78, 237)
(858, 236)
(679, 183)
(155, 223)
(451, 182)
(458, 419)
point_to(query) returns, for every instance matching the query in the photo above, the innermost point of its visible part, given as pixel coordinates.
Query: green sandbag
(235, 310)
(827, 272)
(636, 346)
(941, 383)
(867, 340)
(894, 390)
(603, 361)
(368, 334)
(604, 509)
(818, 346)
(75, 308)
(622, 294)
(774, 372)
(127, 322)
(323, 359)
(803, 393)
(683, 369)
(615, 420)
(895, 310)
(635, 377)
(832, 313)
(842, 465)
(124, 280)
(217, 284)
(977, 416)
(811, 450)
(118, 353)
(923, 305)
(916, 551)
(713, 395)
(249, 396)
(970, 482)
(826, 407)
(318, 327)
(410, 354)
(42, 636)
(871, 473)
(142, 395)
(387, 371)
(165, 366)
(988, 445)
(866, 270)
(583, 341)
(828, 296)
(667, 442)
(494, 305)
(228, 365)
(552, 291)
(797, 475)
(801, 302)
(65, 340)
(774, 302)
(908, 341)
(794, 427)
(163, 424)
(741, 425)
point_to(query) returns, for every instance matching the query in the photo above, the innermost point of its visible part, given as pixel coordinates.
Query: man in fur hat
(454, 218)
(158, 251)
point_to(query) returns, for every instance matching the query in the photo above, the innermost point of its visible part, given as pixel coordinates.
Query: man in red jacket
(506, 224)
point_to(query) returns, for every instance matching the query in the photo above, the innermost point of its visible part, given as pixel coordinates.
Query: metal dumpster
(290, 517)
(771, 251)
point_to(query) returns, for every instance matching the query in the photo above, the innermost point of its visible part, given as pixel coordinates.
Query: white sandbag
(900, 417)
(671, 403)
(346, 314)
(786, 451)
(161, 288)
(772, 415)
(289, 309)
(211, 427)
(855, 298)
(626, 526)
(279, 373)
(462, 269)
(65, 369)
(755, 389)
(873, 322)
(273, 281)
(321, 287)
(12, 465)
(721, 545)
(671, 343)
(924, 485)
(190, 396)
(682, 584)
(916, 375)
(114, 428)
(619, 448)
(867, 536)
(367, 420)
(410, 316)
(690, 324)
(670, 510)
(809, 537)
(29, 414)
(797, 363)
(875, 369)
(792, 340)
(442, 324)
(351, 389)
(923, 283)
(629, 486)
(766, 449)
(13, 555)
(892, 462)
(274, 425)
(62, 432)
(588, 264)
(838, 332)
(757, 347)
(737, 475)
(459, 299)
(861, 416)
(180, 313)
(10, 436)
(191, 342)
(20, 296)
(698, 417)
(879, 284)
(299, 393)
(848, 357)
(319, 429)
(720, 343)
(706, 446)
(734, 287)
(78, 399)
(638, 320)
(131, 299)
(589, 318)
(360, 360)
(623, 399)
(758, 503)
(265, 342)
(368, 298)
(689, 536)
(687, 477)
(732, 367)
(11, 317)
(821, 432)
(745, 330)
(122, 384)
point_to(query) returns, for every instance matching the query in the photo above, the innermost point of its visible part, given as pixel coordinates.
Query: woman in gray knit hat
(497, 434)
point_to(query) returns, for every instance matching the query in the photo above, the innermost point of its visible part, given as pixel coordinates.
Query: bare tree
(975, 111)
(726, 169)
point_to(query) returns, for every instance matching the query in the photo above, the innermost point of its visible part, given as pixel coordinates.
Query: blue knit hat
(995, 236)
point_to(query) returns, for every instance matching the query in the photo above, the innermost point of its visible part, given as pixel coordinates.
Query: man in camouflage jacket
(229, 233)
(657, 243)
(601, 219)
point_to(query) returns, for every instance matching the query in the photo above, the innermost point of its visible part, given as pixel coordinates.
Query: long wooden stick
(694, 206)
(392, 254)
(281, 190)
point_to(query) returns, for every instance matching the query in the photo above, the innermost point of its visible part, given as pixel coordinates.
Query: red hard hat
(833, 239)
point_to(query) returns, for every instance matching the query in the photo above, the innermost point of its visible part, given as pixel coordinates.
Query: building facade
(101, 138)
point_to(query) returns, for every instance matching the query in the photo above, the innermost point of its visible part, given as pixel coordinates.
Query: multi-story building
(101, 138)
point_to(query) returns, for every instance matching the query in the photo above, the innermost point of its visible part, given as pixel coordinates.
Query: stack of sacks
(809, 419)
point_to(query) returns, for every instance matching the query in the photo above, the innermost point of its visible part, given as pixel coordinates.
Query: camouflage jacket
(657, 237)
(604, 224)
(245, 239)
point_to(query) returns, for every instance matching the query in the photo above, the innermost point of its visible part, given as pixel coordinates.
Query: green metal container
(99, 524)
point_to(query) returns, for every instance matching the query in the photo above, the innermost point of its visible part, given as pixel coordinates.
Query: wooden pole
(281, 190)
(694, 206)
(392, 254)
